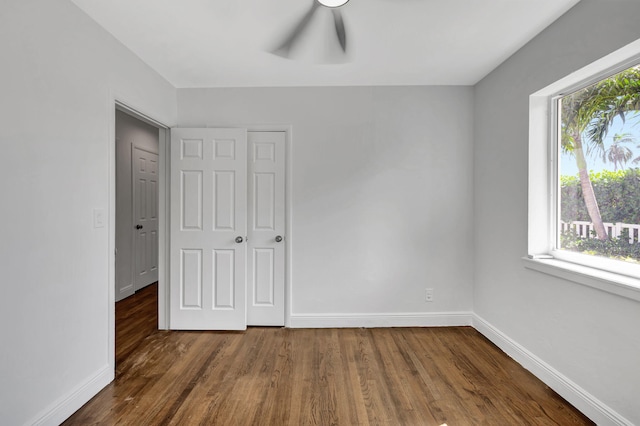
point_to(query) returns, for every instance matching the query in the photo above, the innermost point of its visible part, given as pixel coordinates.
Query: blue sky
(594, 161)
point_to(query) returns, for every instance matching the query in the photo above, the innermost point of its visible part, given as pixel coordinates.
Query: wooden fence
(586, 230)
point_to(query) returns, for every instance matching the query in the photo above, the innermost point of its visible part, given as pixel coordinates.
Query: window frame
(610, 275)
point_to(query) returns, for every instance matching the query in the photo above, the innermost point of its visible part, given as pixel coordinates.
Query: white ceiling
(226, 43)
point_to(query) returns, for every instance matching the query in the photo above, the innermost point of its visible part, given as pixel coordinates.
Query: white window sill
(609, 282)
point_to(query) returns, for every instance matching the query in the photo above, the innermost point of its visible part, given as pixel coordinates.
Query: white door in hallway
(145, 220)
(208, 229)
(266, 217)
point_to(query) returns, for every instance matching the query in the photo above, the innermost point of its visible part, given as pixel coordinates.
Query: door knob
(239, 240)
(139, 226)
(278, 239)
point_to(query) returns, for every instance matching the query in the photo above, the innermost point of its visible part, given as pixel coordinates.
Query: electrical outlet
(429, 295)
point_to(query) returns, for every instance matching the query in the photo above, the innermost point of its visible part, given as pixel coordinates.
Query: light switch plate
(99, 219)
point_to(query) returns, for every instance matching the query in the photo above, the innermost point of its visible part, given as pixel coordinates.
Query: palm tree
(587, 116)
(617, 153)
(632, 139)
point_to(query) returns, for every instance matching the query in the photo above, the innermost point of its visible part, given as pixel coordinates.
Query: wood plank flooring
(277, 376)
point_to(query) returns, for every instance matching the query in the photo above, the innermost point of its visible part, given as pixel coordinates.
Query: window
(584, 173)
(598, 204)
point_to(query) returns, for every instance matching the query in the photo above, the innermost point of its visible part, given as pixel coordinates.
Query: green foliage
(620, 93)
(617, 192)
(593, 109)
(617, 248)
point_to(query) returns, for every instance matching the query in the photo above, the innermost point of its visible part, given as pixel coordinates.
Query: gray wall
(60, 73)
(589, 336)
(382, 201)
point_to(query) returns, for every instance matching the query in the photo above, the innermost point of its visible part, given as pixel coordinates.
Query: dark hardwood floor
(277, 376)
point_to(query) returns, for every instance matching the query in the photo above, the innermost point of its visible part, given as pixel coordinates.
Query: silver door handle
(278, 239)
(239, 240)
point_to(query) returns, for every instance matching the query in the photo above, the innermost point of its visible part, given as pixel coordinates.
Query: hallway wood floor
(277, 376)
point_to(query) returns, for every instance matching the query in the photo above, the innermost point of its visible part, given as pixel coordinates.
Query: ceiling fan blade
(285, 47)
(340, 31)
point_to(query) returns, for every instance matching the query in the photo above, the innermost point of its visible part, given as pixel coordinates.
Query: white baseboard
(70, 403)
(589, 405)
(419, 319)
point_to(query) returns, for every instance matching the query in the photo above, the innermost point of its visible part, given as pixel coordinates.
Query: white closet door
(266, 246)
(208, 229)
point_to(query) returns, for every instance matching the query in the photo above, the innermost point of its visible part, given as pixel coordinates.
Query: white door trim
(163, 228)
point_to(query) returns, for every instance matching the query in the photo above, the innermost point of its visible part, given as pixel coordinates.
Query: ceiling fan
(285, 47)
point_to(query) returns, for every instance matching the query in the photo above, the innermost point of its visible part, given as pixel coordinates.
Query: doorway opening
(137, 263)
